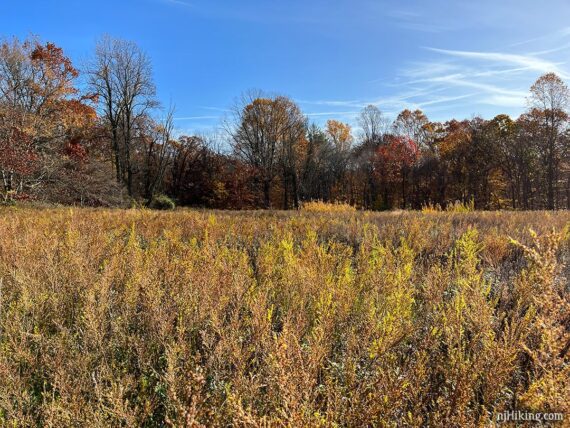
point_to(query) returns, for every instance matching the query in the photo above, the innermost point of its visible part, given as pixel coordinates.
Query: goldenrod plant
(181, 318)
(323, 207)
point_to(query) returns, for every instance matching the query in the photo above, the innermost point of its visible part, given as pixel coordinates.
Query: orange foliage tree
(394, 160)
(42, 116)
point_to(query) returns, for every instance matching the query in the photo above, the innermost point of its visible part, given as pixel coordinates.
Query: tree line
(100, 137)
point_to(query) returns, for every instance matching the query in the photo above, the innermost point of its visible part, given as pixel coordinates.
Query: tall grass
(324, 207)
(200, 318)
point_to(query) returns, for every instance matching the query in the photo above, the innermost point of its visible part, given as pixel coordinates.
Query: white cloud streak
(530, 62)
(178, 2)
(449, 82)
(196, 117)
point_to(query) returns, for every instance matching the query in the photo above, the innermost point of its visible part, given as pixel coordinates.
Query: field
(311, 318)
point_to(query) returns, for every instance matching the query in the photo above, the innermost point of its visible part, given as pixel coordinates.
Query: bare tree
(373, 125)
(549, 100)
(158, 153)
(121, 75)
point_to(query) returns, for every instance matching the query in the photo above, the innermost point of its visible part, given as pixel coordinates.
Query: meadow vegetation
(309, 318)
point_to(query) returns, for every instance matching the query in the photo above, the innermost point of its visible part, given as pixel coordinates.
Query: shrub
(162, 202)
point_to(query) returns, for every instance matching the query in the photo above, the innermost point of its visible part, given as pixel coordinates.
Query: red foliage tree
(44, 122)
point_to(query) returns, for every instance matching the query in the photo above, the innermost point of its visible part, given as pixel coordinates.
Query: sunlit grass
(146, 318)
(320, 206)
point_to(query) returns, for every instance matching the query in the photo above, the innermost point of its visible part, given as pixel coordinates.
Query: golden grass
(327, 207)
(454, 207)
(189, 318)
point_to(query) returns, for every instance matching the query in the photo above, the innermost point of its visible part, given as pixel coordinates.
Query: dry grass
(327, 207)
(189, 318)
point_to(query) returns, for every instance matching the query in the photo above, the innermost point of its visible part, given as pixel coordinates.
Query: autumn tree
(35, 80)
(293, 145)
(18, 158)
(201, 174)
(341, 139)
(394, 161)
(265, 131)
(339, 134)
(453, 148)
(187, 157)
(43, 116)
(486, 184)
(414, 125)
(530, 160)
(549, 101)
(501, 131)
(317, 176)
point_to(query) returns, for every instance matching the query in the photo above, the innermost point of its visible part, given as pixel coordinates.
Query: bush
(162, 202)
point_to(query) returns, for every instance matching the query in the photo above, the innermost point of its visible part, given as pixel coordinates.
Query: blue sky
(449, 58)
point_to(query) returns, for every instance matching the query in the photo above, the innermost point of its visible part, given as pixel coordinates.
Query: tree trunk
(285, 192)
(266, 193)
(403, 190)
(550, 184)
(117, 154)
(568, 193)
(295, 185)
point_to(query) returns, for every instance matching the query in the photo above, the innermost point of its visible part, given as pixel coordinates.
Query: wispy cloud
(451, 83)
(196, 117)
(441, 81)
(214, 108)
(514, 101)
(464, 80)
(499, 79)
(444, 100)
(178, 2)
(549, 38)
(438, 84)
(396, 100)
(332, 103)
(415, 21)
(530, 62)
(333, 113)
